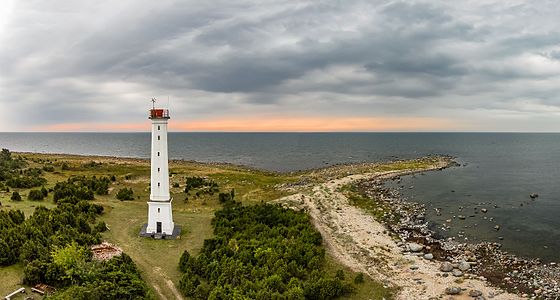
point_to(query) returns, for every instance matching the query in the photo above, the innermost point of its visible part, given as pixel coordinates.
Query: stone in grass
(413, 247)
(457, 273)
(475, 293)
(454, 290)
(446, 267)
(428, 256)
(463, 266)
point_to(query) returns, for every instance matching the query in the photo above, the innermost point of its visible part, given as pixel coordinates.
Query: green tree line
(260, 252)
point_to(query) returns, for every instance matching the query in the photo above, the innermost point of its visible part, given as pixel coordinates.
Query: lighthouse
(160, 215)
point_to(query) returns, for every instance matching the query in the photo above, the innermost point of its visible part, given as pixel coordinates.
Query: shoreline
(407, 255)
(529, 277)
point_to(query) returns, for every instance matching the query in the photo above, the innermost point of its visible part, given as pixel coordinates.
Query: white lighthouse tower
(160, 215)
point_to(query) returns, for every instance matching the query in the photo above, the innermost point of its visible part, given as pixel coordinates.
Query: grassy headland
(158, 259)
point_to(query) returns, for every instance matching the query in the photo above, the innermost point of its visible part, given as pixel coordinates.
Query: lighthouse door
(158, 227)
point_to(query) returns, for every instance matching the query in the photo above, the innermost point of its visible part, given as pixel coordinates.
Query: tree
(183, 261)
(260, 252)
(72, 262)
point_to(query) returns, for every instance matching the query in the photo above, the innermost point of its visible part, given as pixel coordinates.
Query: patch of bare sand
(360, 242)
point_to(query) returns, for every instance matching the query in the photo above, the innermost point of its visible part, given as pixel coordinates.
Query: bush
(16, 196)
(204, 185)
(125, 194)
(48, 168)
(81, 188)
(25, 181)
(35, 195)
(226, 197)
(91, 164)
(359, 278)
(100, 227)
(44, 191)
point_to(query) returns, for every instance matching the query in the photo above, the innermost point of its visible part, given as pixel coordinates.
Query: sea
(498, 172)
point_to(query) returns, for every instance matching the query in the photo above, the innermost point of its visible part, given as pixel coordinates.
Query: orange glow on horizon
(278, 124)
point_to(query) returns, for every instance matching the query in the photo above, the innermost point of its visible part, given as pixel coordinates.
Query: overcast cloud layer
(467, 65)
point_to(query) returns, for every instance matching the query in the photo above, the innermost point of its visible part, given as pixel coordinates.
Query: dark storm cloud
(70, 62)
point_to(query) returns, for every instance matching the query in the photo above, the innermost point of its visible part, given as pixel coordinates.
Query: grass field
(158, 259)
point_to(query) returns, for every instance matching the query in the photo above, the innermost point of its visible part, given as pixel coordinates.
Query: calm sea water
(501, 169)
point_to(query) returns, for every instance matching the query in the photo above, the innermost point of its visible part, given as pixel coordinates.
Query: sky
(281, 65)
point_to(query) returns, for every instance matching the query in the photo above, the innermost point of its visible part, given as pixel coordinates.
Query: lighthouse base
(158, 236)
(160, 221)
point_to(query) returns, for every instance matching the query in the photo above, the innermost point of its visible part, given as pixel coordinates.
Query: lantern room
(159, 113)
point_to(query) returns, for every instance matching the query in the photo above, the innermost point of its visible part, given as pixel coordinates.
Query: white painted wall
(160, 212)
(159, 185)
(159, 206)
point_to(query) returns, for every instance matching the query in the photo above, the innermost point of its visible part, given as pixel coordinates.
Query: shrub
(226, 197)
(26, 181)
(206, 186)
(81, 188)
(125, 194)
(35, 195)
(48, 168)
(100, 227)
(16, 196)
(339, 274)
(91, 164)
(359, 278)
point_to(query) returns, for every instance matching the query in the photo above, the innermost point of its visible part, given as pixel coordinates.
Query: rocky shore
(405, 257)
(528, 278)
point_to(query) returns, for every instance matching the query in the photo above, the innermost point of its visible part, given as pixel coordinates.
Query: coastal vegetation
(261, 252)
(52, 246)
(73, 180)
(15, 175)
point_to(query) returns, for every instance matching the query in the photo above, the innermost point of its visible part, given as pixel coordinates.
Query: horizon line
(3, 132)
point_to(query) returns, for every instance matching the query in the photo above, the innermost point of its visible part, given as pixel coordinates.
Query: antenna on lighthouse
(154, 103)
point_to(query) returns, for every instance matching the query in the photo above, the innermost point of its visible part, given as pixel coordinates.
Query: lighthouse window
(158, 127)
(158, 184)
(158, 153)
(158, 210)
(158, 169)
(158, 138)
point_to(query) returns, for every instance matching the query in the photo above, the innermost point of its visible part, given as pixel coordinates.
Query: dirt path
(169, 284)
(358, 241)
